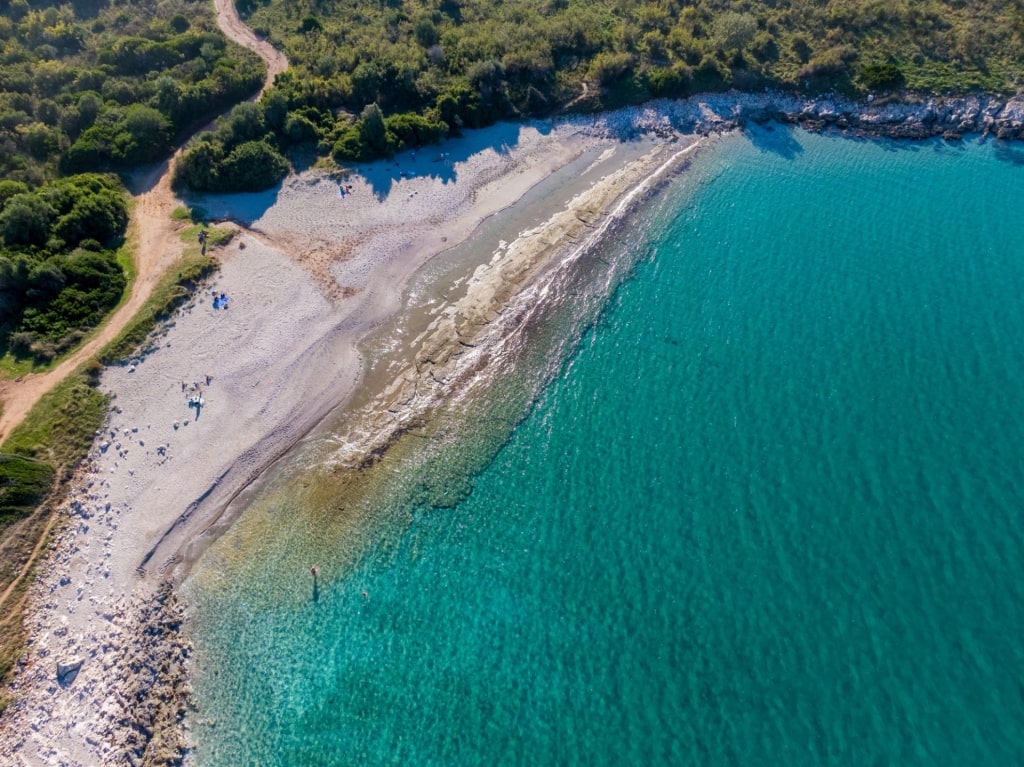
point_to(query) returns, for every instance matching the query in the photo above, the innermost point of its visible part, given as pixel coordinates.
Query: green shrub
(10, 188)
(252, 167)
(608, 68)
(662, 81)
(349, 147)
(25, 220)
(880, 76)
(238, 156)
(412, 130)
(198, 166)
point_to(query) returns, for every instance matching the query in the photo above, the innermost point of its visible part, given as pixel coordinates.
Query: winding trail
(153, 236)
(232, 26)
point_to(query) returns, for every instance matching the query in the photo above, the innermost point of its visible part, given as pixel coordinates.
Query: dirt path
(156, 243)
(234, 28)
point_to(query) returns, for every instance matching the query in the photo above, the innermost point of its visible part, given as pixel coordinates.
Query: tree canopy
(106, 85)
(59, 274)
(459, 63)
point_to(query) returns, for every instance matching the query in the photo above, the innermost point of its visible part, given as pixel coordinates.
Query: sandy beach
(255, 360)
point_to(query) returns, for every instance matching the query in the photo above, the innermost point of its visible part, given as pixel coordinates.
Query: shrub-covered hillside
(468, 62)
(101, 84)
(405, 53)
(59, 273)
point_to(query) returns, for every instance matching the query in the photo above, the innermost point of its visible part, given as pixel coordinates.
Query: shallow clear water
(765, 513)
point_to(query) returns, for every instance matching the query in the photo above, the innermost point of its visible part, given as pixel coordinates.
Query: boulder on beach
(67, 671)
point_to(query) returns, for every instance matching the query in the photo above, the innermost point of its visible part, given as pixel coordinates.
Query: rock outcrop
(904, 116)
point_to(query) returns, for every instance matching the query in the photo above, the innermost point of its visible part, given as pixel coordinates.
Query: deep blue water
(766, 512)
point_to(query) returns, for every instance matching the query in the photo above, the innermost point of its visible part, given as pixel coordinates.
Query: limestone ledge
(470, 331)
(902, 115)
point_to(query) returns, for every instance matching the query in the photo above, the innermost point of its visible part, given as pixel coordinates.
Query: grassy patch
(192, 213)
(125, 253)
(216, 236)
(329, 165)
(61, 427)
(16, 548)
(13, 367)
(24, 483)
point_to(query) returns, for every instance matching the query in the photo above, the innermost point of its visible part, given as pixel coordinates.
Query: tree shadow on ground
(438, 161)
(242, 207)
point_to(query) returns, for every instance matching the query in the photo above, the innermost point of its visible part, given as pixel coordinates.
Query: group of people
(194, 386)
(196, 400)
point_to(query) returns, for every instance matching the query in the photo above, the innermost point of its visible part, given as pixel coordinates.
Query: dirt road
(155, 241)
(234, 28)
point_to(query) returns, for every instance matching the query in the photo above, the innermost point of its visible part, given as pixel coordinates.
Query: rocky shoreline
(153, 703)
(913, 117)
(896, 116)
(138, 720)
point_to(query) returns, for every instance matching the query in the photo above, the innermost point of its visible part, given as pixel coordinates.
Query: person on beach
(313, 571)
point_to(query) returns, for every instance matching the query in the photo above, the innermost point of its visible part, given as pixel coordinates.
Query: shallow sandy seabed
(311, 273)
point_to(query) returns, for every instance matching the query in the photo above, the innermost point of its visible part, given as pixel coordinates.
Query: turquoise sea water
(766, 512)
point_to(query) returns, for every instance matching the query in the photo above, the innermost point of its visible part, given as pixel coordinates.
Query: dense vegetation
(240, 155)
(59, 269)
(431, 66)
(108, 84)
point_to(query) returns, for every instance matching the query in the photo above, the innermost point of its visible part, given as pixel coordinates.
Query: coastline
(278, 359)
(317, 272)
(910, 116)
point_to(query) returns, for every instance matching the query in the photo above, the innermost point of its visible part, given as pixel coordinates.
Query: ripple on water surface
(765, 513)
